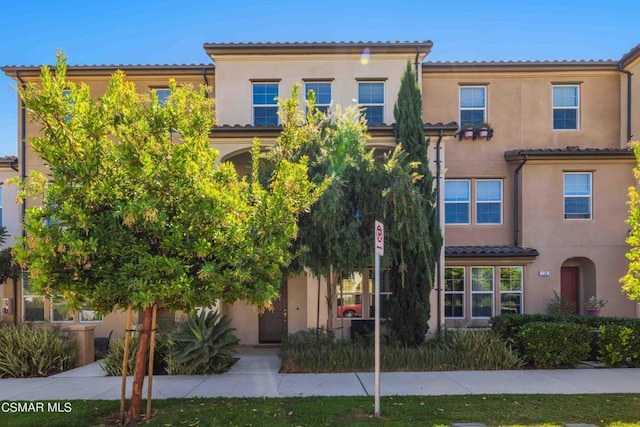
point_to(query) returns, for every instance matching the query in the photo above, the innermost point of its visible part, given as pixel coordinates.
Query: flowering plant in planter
(597, 303)
(483, 130)
(468, 130)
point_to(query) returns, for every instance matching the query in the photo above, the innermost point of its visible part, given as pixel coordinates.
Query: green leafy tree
(135, 211)
(411, 216)
(631, 280)
(334, 239)
(8, 268)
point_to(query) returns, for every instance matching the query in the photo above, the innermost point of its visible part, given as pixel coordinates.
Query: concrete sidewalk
(256, 375)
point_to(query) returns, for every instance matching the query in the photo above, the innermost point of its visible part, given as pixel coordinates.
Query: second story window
(163, 95)
(577, 195)
(322, 91)
(489, 201)
(371, 98)
(566, 103)
(265, 105)
(456, 201)
(473, 105)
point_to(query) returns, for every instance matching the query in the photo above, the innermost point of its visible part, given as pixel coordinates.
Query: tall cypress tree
(412, 221)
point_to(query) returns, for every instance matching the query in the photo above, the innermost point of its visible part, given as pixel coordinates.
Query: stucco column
(82, 335)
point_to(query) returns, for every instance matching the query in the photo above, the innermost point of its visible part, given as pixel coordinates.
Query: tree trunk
(135, 407)
(330, 290)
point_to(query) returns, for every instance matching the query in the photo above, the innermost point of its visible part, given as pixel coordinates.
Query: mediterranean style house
(530, 159)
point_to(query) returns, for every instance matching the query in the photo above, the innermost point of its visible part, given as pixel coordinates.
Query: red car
(350, 310)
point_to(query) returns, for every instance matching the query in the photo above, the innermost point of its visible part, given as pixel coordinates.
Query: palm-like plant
(202, 342)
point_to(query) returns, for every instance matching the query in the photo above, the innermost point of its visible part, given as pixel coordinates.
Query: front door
(569, 286)
(272, 325)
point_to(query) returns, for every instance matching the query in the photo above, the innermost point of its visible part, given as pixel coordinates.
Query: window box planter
(485, 131)
(467, 131)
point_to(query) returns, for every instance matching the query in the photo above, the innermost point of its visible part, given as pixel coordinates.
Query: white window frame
(565, 107)
(1, 204)
(163, 94)
(87, 307)
(468, 201)
(52, 305)
(462, 293)
(479, 202)
(322, 106)
(372, 104)
(483, 292)
(520, 293)
(25, 296)
(483, 108)
(270, 104)
(589, 196)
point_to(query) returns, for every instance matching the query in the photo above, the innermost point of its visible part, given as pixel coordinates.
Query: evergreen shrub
(34, 352)
(555, 344)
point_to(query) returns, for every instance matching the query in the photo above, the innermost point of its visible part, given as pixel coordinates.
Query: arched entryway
(578, 282)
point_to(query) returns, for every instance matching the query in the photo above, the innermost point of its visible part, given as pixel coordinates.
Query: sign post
(379, 245)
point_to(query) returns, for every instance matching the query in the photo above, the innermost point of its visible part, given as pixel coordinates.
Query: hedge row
(549, 341)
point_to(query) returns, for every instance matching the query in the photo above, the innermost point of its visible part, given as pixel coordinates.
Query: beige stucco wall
(519, 108)
(634, 68)
(601, 239)
(234, 76)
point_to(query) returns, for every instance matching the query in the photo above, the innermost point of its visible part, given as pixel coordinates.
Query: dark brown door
(569, 285)
(273, 324)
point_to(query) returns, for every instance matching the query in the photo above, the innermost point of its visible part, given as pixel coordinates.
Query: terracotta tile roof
(630, 56)
(525, 62)
(519, 66)
(430, 129)
(83, 67)
(505, 251)
(216, 49)
(570, 151)
(130, 69)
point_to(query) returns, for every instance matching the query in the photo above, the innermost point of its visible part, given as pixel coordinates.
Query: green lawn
(492, 410)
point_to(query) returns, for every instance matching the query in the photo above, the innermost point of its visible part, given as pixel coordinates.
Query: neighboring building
(10, 219)
(537, 205)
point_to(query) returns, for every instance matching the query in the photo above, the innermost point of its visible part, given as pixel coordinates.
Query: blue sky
(165, 31)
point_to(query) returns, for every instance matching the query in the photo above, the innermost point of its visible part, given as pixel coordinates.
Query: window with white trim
(265, 104)
(511, 290)
(354, 292)
(566, 107)
(32, 304)
(577, 195)
(481, 292)
(349, 298)
(489, 201)
(1, 190)
(371, 99)
(88, 314)
(163, 95)
(456, 201)
(473, 105)
(66, 94)
(322, 92)
(59, 311)
(385, 294)
(454, 306)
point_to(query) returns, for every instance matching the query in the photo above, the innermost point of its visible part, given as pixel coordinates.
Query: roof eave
(520, 155)
(430, 129)
(546, 66)
(136, 69)
(319, 48)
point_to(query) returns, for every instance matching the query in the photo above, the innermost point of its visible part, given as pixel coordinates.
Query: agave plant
(203, 343)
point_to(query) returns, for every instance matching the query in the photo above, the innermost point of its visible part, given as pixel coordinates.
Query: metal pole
(377, 338)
